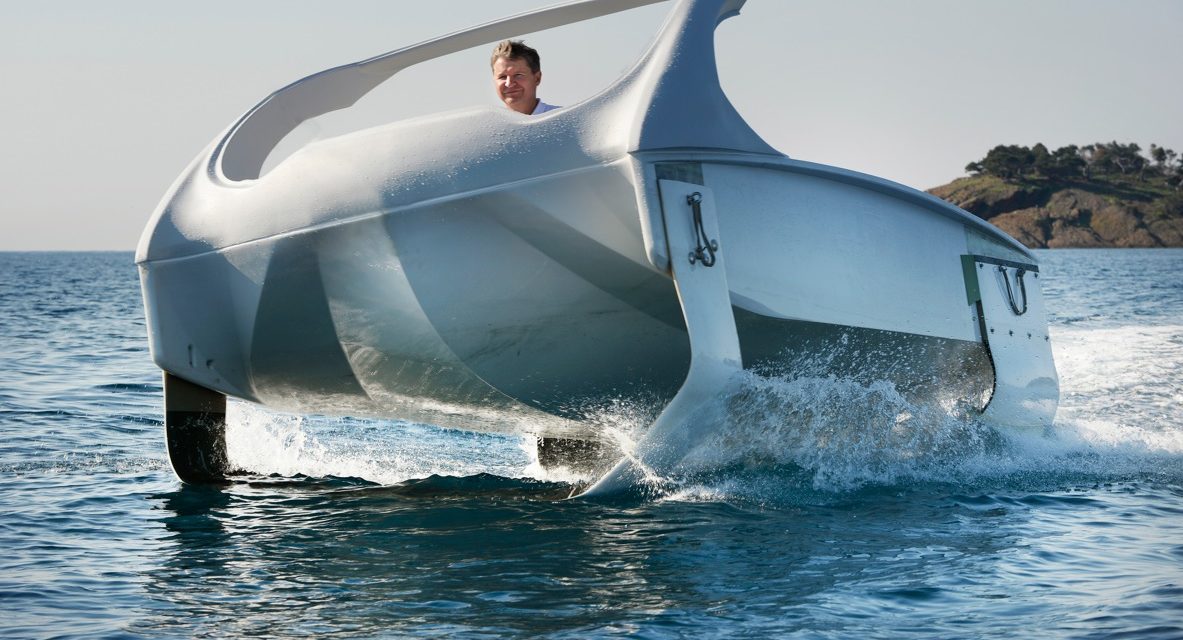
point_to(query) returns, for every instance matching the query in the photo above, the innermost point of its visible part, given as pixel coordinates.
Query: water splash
(1119, 417)
(845, 434)
(1128, 377)
(382, 451)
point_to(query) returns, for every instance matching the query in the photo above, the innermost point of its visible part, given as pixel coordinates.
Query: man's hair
(516, 50)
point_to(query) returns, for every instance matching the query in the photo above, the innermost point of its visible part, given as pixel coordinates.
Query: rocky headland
(1102, 195)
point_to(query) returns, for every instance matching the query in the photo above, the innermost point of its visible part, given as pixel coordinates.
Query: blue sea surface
(367, 529)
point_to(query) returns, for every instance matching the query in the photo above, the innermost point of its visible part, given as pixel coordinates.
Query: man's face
(516, 85)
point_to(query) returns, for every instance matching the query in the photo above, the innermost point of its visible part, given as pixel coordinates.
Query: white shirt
(542, 107)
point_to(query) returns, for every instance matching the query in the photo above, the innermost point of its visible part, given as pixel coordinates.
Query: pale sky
(106, 102)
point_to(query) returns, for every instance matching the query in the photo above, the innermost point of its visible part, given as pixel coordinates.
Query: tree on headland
(1126, 157)
(1064, 162)
(1163, 158)
(1175, 175)
(1015, 163)
(1005, 161)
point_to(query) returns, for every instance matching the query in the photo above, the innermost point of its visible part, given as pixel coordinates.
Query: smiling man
(517, 72)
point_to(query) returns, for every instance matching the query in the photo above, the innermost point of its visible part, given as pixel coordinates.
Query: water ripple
(366, 528)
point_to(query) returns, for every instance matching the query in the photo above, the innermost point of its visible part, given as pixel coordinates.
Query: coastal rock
(1170, 232)
(1028, 226)
(1074, 214)
(1064, 236)
(986, 196)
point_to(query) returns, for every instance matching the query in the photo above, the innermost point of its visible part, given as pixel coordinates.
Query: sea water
(824, 514)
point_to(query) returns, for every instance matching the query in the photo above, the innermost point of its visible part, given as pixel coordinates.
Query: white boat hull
(490, 271)
(499, 312)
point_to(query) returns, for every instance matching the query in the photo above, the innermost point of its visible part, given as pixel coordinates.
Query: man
(517, 72)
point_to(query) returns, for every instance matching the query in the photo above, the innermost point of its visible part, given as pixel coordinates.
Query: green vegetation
(1098, 195)
(1102, 162)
